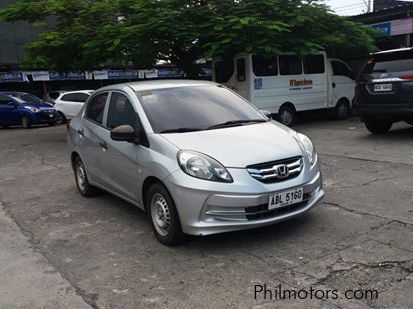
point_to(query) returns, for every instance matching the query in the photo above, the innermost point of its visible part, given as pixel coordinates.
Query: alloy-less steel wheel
(342, 110)
(378, 126)
(82, 182)
(26, 122)
(164, 216)
(286, 115)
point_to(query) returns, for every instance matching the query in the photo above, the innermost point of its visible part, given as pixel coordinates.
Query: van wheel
(82, 181)
(286, 115)
(26, 122)
(378, 126)
(342, 110)
(164, 216)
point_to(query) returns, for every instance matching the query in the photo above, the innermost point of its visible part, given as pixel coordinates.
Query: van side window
(265, 65)
(290, 65)
(340, 69)
(224, 70)
(120, 112)
(241, 70)
(96, 107)
(314, 64)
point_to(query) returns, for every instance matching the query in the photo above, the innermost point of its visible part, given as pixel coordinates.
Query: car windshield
(195, 108)
(28, 98)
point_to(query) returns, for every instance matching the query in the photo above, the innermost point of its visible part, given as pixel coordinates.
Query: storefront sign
(395, 27)
(67, 75)
(11, 77)
(384, 28)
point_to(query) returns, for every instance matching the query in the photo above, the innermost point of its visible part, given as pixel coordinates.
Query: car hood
(241, 146)
(43, 105)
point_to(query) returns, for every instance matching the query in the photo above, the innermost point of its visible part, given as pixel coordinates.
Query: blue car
(19, 108)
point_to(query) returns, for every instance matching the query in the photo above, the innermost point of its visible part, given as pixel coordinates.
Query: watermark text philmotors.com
(264, 292)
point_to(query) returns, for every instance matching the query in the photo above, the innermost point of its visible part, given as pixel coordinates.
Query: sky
(348, 7)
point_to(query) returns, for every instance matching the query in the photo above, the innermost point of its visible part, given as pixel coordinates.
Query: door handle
(80, 132)
(334, 85)
(103, 145)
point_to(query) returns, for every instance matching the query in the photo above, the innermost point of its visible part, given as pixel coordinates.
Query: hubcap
(81, 177)
(160, 214)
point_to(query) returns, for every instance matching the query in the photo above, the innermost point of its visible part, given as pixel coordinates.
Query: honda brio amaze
(197, 157)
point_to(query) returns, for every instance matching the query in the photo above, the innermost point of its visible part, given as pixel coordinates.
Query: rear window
(390, 62)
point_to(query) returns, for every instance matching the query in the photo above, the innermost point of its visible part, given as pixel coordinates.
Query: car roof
(15, 92)
(158, 84)
(78, 91)
(393, 50)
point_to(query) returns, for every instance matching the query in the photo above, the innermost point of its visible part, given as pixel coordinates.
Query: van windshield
(400, 61)
(195, 108)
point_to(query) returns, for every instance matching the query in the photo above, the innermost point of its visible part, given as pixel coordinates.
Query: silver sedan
(197, 157)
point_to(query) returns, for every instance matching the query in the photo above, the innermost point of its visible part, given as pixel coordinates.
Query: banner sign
(395, 27)
(120, 74)
(37, 76)
(384, 28)
(11, 77)
(99, 75)
(150, 73)
(67, 75)
(164, 73)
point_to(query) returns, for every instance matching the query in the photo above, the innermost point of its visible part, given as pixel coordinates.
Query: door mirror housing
(266, 113)
(125, 133)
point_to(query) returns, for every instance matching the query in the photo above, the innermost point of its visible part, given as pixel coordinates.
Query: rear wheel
(164, 216)
(82, 181)
(342, 110)
(286, 115)
(26, 123)
(378, 126)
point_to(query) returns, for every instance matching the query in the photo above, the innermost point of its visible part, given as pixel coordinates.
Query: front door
(119, 160)
(242, 77)
(9, 113)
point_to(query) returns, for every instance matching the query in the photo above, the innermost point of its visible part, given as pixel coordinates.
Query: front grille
(276, 171)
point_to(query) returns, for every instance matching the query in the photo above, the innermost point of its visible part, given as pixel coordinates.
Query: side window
(314, 64)
(290, 65)
(340, 69)
(82, 97)
(4, 99)
(71, 97)
(96, 107)
(241, 70)
(224, 70)
(265, 65)
(120, 112)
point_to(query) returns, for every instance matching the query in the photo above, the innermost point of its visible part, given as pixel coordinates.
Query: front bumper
(218, 208)
(44, 117)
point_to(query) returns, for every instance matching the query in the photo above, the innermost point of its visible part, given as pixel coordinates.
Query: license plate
(285, 198)
(383, 87)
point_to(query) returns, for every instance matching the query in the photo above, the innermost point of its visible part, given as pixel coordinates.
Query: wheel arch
(148, 182)
(287, 104)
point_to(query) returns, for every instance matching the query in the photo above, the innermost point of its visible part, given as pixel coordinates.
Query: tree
(82, 34)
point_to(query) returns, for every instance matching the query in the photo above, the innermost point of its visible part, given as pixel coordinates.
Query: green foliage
(88, 33)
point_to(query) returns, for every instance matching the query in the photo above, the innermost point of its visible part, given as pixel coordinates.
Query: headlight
(32, 109)
(202, 166)
(308, 147)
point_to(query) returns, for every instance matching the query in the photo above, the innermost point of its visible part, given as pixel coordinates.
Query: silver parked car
(194, 155)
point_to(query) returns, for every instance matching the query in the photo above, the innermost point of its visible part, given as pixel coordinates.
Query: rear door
(71, 103)
(387, 78)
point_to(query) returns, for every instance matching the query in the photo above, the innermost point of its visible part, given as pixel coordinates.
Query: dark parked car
(19, 108)
(384, 93)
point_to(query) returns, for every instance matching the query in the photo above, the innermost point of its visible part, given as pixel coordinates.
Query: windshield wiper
(234, 123)
(181, 130)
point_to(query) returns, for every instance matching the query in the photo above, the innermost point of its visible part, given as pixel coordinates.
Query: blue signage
(67, 75)
(384, 28)
(120, 74)
(11, 77)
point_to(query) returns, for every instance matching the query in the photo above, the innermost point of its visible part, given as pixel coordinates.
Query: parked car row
(24, 109)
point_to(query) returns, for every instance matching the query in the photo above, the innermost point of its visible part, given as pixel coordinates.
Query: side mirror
(124, 133)
(266, 113)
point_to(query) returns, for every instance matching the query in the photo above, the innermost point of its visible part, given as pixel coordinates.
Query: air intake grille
(277, 171)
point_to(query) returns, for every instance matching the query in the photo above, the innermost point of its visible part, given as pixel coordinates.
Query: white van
(287, 83)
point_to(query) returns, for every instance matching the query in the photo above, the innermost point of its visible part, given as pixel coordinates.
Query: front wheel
(342, 110)
(286, 115)
(164, 216)
(26, 123)
(378, 126)
(61, 118)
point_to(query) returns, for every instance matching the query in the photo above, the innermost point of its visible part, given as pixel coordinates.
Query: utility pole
(368, 4)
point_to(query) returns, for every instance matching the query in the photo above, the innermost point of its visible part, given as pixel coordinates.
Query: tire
(378, 126)
(82, 181)
(342, 110)
(163, 216)
(26, 123)
(61, 118)
(286, 115)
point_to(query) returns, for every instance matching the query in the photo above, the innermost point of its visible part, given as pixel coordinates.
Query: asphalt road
(60, 250)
